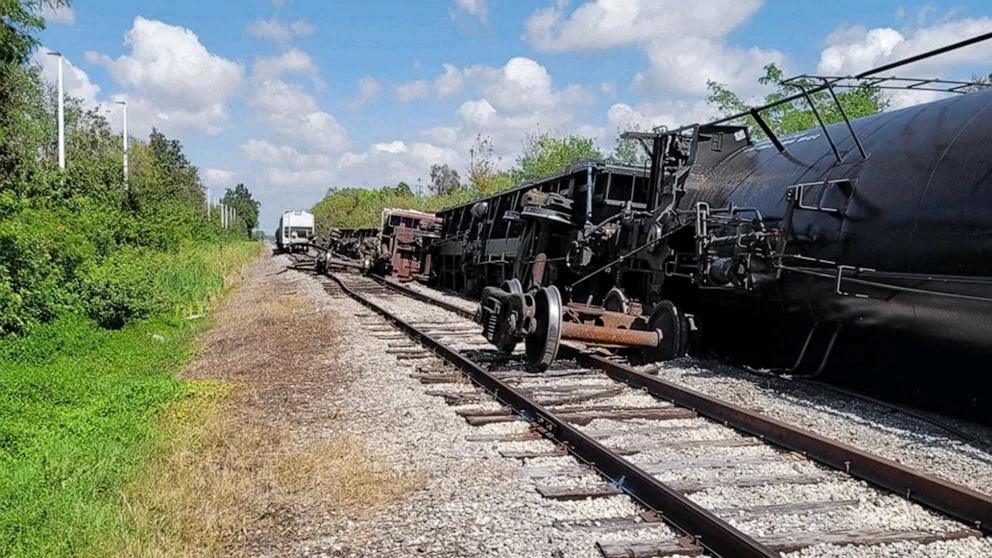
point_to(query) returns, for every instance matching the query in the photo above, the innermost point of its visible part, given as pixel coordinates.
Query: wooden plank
(553, 452)
(652, 413)
(456, 398)
(569, 493)
(660, 428)
(477, 417)
(518, 437)
(630, 523)
(789, 542)
(413, 356)
(786, 509)
(440, 378)
(643, 520)
(474, 397)
(657, 468)
(517, 375)
(860, 537)
(491, 419)
(583, 397)
(683, 486)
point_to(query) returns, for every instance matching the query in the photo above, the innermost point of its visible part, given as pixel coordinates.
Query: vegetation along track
(727, 480)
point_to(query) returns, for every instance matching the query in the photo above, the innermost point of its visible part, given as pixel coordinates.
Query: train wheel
(508, 344)
(542, 345)
(616, 301)
(674, 327)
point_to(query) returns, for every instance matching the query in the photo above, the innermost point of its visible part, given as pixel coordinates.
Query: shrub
(122, 288)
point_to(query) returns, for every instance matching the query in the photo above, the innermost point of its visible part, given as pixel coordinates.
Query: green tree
(483, 171)
(546, 155)
(796, 116)
(19, 21)
(444, 179)
(628, 151)
(241, 200)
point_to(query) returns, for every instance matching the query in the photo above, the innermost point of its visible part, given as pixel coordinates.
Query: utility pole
(208, 204)
(124, 104)
(61, 114)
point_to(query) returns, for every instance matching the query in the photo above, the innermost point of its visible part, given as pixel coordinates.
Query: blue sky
(294, 96)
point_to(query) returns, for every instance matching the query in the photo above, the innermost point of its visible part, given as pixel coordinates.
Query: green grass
(79, 408)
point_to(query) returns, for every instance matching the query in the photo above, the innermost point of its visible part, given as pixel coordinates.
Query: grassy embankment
(80, 408)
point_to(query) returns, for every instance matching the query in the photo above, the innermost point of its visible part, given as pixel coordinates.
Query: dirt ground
(257, 464)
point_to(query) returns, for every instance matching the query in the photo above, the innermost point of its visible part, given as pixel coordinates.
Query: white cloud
(451, 82)
(605, 24)
(474, 8)
(61, 14)
(685, 42)
(699, 59)
(291, 113)
(279, 31)
(856, 49)
(391, 162)
(368, 88)
(521, 85)
(281, 177)
(170, 62)
(852, 50)
(172, 79)
(292, 61)
(218, 178)
(409, 91)
(143, 115)
(646, 116)
(261, 151)
(445, 135)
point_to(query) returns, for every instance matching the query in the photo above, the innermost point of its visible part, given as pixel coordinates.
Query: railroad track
(709, 477)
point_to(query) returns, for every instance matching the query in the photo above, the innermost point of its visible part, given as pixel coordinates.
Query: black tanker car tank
(896, 250)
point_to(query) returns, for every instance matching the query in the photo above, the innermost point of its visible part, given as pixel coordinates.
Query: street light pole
(124, 104)
(61, 114)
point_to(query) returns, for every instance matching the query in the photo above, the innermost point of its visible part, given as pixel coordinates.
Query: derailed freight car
(480, 239)
(399, 248)
(859, 251)
(406, 237)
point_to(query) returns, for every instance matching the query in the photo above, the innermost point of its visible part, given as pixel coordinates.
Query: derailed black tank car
(860, 251)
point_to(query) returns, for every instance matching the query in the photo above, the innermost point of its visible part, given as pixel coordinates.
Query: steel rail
(953, 500)
(708, 530)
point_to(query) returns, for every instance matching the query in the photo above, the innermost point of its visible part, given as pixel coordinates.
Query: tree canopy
(81, 241)
(790, 118)
(241, 200)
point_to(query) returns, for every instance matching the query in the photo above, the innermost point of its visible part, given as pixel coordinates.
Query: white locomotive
(296, 228)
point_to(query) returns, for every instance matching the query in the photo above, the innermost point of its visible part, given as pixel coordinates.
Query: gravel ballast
(477, 502)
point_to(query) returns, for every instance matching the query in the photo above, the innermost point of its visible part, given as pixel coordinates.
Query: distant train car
(399, 248)
(405, 240)
(296, 228)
